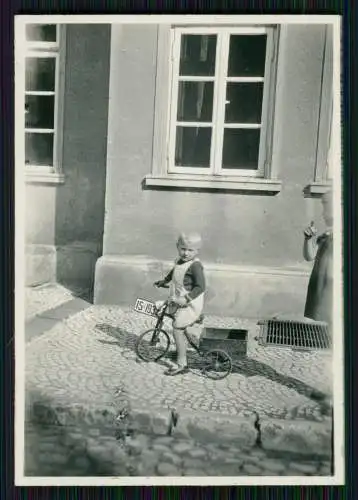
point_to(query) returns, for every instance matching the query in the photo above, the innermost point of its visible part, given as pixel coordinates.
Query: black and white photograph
(178, 254)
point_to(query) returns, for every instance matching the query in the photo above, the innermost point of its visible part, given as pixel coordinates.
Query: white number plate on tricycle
(145, 307)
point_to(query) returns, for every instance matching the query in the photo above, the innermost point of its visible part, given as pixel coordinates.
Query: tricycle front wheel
(217, 364)
(152, 345)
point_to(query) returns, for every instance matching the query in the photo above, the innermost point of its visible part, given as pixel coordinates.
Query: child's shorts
(186, 316)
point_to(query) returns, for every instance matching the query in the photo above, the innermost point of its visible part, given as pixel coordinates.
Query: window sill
(214, 183)
(318, 188)
(44, 178)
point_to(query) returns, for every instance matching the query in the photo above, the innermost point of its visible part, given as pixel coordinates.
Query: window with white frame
(43, 91)
(221, 102)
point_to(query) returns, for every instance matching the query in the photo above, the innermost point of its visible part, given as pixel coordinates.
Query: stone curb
(281, 435)
(302, 437)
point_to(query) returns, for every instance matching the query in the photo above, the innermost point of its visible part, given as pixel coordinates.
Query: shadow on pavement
(123, 339)
(245, 366)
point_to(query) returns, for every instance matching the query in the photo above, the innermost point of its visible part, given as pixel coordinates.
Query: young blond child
(187, 289)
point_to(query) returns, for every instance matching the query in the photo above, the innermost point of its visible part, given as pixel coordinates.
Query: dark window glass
(247, 55)
(241, 148)
(39, 149)
(195, 101)
(197, 55)
(244, 102)
(41, 32)
(39, 111)
(40, 73)
(193, 146)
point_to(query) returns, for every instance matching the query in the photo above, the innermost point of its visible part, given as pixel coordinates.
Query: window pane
(41, 32)
(192, 147)
(39, 149)
(247, 55)
(241, 148)
(40, 73)
(197, 55)
(195, 101)
(39, 111)
(245, 102)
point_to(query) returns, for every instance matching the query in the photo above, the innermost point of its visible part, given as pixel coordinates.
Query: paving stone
(197, 453)
(165, 469)
(94, 432)
(195, 472)
(160, 423)
(143, 439)
(99, 452)
(141, 421)
(289, 472)
(230, 460)
(252, 469)
(224, 446)
(47, 445)
(274, 466)
(325, 469)
(119, 470)
(266, 473)
(171, 457)
(257, 453)
(58, 458)
(165, 440)
(160, 447)
(149, 458)
(302, 468)
(81, 462)
(118, 455)
(182, 447)
(75, 437)
(135, 446)
(194, 463)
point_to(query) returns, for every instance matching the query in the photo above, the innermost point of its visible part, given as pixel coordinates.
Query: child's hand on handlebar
(160, 284)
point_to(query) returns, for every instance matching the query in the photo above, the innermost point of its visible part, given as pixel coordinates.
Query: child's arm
(198, 278)
(309, 248)
(167, 279)
(310, 243)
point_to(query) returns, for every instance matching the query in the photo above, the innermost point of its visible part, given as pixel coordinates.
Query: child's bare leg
(180, 342)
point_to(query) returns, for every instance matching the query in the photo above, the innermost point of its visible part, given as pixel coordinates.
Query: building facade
(223, 129)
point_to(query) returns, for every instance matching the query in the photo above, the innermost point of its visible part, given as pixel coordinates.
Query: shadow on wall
(80, 200)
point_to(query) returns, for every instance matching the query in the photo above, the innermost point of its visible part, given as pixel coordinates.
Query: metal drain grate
(296, 334)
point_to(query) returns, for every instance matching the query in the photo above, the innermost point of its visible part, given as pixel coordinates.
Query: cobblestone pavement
(41, 298)
(87, 356)
(51, 452)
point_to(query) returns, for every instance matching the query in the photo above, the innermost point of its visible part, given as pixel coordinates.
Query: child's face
(186, 251)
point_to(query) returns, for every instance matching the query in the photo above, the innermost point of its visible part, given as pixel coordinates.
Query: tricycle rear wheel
(217, 364)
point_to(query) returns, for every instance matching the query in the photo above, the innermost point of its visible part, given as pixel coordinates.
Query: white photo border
(20, 207)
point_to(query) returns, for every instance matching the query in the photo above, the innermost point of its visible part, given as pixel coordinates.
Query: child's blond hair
(191, 239)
